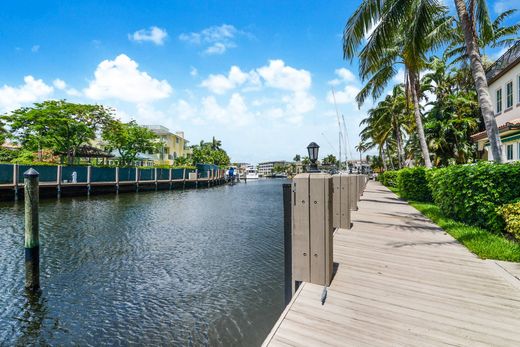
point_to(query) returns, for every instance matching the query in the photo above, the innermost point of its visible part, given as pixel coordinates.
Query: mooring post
(170, 177)
(136, 179)
(59, 179)
(287, 241)
(89, 179)
(155, 177)
(117, 179)
(15, 181)
(209, 178)
(183, 178)
(196, 178)
(32, 242)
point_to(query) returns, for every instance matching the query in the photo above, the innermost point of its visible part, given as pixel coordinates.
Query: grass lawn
(483, 243)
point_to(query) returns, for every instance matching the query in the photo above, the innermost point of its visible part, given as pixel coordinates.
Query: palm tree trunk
(414, 87)
(479, 76)
(383, 157)
(399, 147)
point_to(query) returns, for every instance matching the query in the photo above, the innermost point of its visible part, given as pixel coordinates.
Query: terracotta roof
(512, 124)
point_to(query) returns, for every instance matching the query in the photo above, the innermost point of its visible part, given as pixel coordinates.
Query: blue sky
(255, 74)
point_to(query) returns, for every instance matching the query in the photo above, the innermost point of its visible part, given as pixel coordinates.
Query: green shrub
(511, 214)
(472, 193)
(412, 184)
(389, 178)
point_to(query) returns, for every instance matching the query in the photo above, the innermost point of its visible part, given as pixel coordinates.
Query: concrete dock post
(183, 178)
(155, 177)
(32, 242)
(15, 181)
(170, 177)
(341, 201)
(196, 178)
(59, 179)
(117, 179)
(136, 179)
(89, 179)
(209, 178)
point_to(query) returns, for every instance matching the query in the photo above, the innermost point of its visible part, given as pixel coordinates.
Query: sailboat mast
(340, 135)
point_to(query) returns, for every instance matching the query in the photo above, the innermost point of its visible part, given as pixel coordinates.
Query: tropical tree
(473, 21)
(58, 125)
(183, 161)
(208, 153)
(330, 160)
(129, 139)
(215, 144)
(297, 158)
(500, 37)
(403, 33)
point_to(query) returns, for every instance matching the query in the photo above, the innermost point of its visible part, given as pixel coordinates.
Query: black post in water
(287, 241)
(32, 238)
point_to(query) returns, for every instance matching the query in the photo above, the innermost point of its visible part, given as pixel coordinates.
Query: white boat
(251, 173)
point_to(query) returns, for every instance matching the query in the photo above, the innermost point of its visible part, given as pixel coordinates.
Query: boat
(251, 173)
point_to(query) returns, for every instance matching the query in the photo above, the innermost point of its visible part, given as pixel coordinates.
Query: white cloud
(235, 113)
(345, 76)
(59, 84)
(281, 76)
(121, 79)
(345, 96)
(153, 34)
(193, 71)
(62, 85)
(216, 39)
(220, 84)
(32, 90)
(35, 48)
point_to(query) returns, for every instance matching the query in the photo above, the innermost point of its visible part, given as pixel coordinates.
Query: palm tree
(387, 121)
(479, 14)
(404, 32)
(215, 144)
(501, 36)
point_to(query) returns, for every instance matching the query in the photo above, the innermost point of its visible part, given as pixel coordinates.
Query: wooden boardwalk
(402, 281)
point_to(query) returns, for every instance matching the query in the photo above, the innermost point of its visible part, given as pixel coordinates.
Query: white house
(504, 86)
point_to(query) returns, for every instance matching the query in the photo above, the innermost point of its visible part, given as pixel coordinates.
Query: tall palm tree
(500, 37)
(478, 14)
(404, 31)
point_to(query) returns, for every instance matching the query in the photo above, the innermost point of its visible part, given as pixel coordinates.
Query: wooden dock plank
(401, 280)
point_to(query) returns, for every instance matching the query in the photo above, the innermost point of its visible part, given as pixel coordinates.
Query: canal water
(195, 267)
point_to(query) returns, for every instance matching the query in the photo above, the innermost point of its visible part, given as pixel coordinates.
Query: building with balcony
(173, 145)
(504, 86)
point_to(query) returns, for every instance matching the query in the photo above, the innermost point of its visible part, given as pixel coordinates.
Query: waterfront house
(173, 145)
(504, 86)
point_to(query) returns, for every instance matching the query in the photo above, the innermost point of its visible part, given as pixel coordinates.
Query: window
(499, 100)
(509, 94)
(509, 152)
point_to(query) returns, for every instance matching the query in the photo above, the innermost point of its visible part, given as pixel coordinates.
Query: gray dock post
(287, 241)
(15, 181)
(209, 178)
(170, 177)
(89, 179)
(183, 178)
(196, 178)
(32, 242)
(155, 177)
(117, 179)
(136, 179)
(59, 179)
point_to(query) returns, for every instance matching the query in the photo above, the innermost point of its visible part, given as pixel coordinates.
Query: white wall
(514, 112)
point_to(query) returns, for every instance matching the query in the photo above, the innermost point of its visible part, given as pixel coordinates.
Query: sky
(257, 75)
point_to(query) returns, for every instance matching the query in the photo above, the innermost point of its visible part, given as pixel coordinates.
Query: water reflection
(187, 268)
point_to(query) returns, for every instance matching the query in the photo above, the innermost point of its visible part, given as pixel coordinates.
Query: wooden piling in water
(32, 239)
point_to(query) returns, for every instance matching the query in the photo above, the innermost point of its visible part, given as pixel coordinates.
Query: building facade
(266, 169)
(504, 86)
(173, 145)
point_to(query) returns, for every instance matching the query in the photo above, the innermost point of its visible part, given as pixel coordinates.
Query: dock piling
(32, 242)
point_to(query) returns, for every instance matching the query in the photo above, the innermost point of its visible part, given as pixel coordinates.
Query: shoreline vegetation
(481, 242)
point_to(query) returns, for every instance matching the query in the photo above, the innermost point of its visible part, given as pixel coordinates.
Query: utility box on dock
(192, 176)
(312, 228)
(341, 201)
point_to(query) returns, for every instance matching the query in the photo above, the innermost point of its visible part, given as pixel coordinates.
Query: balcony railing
(508, 58)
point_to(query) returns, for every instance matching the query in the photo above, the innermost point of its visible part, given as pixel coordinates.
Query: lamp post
(313, 150)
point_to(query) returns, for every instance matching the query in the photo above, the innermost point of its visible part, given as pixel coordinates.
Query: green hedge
(389, 178)
(412, 184)
(472, 193)
(511, 214)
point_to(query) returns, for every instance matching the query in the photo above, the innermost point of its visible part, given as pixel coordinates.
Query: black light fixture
(313, 150)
